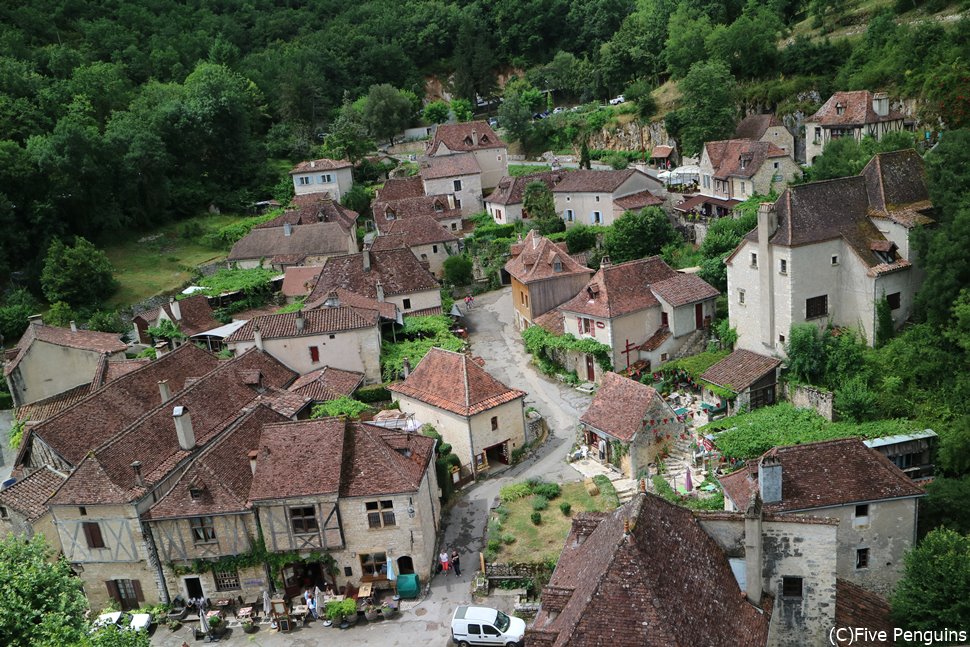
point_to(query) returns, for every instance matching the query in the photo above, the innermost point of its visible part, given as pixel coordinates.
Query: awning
(698, 200)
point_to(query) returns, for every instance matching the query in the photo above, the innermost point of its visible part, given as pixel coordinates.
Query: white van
(485, 626)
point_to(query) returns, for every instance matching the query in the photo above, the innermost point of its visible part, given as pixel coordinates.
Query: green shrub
(547, 490)
(536, 518)
(514, 491)
(540, 503)
(502, 512)
(494, 545)
(607, 491)
(372, 393)
(494, 527)
(490, 556)
(508, 538)
(565, 508)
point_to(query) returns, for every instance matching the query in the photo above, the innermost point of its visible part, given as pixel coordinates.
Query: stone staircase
(696, 343)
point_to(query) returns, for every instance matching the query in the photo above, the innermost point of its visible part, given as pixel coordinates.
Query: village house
(481, 418)
(393, 275)
(334, 177)
(458, 175)
(298, 282)
(192, 315)
(826, 252)
(334, 334)
(282, 247)
(400, 188)
(856, 114)
(874, 502)
(629, 425)
(766, 128)
(543, 276)
(664, 158)
(23, 505)
(442, 208)
(504, 204)
(478, 138)
(600, 197)
(750, 381)
(430, 243)
(47, 360)
(312, 208)
(327, 383)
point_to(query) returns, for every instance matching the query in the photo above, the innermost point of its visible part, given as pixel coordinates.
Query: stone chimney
(287, 229)
(165, 392)
(380, 291)
(767, 225)
(36, 320)
(300, 321)
(313, 163)
(161, 349)
(406, 367)
(366, 258)
(605, 262)
(183, 427)
(73, 326)
(253, 455)
(769, 478)
(752, 551)
(136, 468)
(258, 337)
(474, 137)
(332, 300)
(176, 309)
(880, 103)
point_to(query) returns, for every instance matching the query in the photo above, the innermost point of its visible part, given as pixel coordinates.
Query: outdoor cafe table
(365, 590)
(300, 611)
(245, 612)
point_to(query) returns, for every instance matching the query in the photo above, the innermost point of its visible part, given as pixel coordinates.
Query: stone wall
(630, 137)
(810, 397)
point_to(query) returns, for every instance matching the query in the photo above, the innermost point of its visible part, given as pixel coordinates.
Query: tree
(806, 353)
(855, 401)
(520, 101)
(166, 330)
(43, 603)
(748, 45)
(348, 137)
(686, 33)
(884, 321)
(954, 452)
(107, 321)
(79, 275)
(640, 93)
(458, 270)
(947, 505)
(436, 112)
(584, 156)
(14, 311)
(344, 406)
(357, 199)
(935, 589)
(579, 238)
(638, 234)
(845, 156)
(708, 111)
(474, 58)
(462, 109)
(387, 111)
(538, 204)
(60, 314)
(945, 95)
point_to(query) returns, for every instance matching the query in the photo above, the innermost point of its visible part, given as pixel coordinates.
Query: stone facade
(467, 190)
(351, 350)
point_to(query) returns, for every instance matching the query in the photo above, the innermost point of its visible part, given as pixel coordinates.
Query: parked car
(486, 626)
(558, 110)
(615, 101)
(140, 622)
(493, 122)
(106, 619)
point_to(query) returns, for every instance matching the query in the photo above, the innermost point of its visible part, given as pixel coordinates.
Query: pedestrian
(443, 557)
(455, 562)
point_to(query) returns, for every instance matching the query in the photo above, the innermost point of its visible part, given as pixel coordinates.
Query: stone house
(600, 197)
(664, 158)
(334, 177)
(458, 175)
(327, 383)
(752, 378)
(856, 114)
(826, 252)
(192, 315)
(313, 208)
(23, 505)
(282, 247)
(504, 204)
(628, 425)
(481, 418)
(543, 275)
(475, 137)
(430, 243)
(874, 502)
(767, 128)
(441, 208)
(400, 188)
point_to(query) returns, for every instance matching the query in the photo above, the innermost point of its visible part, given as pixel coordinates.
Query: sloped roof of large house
(823, 474)
(304, 240)
(311, 208)
(90, 340)
(740, 369)
(857, 110)
(551, 321)
(621, 405)
(334, 456)
(451, 381)
(632, 576)
(681, 289)
(30, 494)
(322, 164)
(298, 281)
(447, 166)
(511, 189)
(399, 188)
(637, 201)
(755, 126)
(535, 260)
(398, 271)
(740, 157)
(420, 230)
(320, 321)
(896, 186)
(439, 207)
(327, 383)
(466, 136)
(194, 314)
(588, 181)
(214, 402)
(105, 412)
(857, 607)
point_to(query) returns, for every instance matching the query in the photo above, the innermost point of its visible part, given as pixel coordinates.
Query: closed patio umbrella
(267, 605)
(203, 623)
(390, 570)
(688, 483)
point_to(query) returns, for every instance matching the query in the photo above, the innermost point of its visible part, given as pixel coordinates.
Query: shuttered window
(92, 534)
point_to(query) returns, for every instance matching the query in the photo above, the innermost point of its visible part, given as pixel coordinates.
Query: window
(304, 520)
(498, 216)
(774, 164)
(457, 203)
(776, 177)
(333, 336)
(92, 534)
(835, 260)
(783, 266)
(818, 134)
(475, 629)
(374, 563)
(407, 304)
(742, 187)
(597, 198)
(326, 179)
(380, 514)
(195, 492)
(457, 184)
(664, 356)
(494, 423)
(203, 529)
(434, 249)
(82, 511)
(839, 108)
(498, 157)
(894, 300)
(754, 260)
(226, 580)
(557, 266)
(587, 326)
(348, 571)
(741, 297)
(791, 587)
(454, 225)
(490, 631)
(781, 339)
(569, 215)
(3, 513)
(305, 181)
(862, 510)
(314, 354)
(862, 558)
(707, 181)
(129, 593)
(568, 198)
(817, 307)
(597, 218)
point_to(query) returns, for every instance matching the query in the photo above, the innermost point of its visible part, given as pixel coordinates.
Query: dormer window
(557, 265)
(195, 492)
(484, 139)
(438, 207)
(839, 108)
(742, 162)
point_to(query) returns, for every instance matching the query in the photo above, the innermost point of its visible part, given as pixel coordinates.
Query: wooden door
(699, 316)
(590, 369)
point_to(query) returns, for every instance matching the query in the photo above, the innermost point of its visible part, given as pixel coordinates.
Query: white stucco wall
(48, 369)
(504, 214)
(583, 206)
(342, 180)
(351, 350)
(416, 300)
(470, 193)
(494, 163)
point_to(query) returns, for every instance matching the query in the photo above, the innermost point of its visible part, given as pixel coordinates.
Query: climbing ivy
(540, 343)
(256, 556)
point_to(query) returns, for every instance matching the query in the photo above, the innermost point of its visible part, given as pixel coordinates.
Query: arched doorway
(405, 565)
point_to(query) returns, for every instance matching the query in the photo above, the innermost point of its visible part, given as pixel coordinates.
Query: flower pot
(249, 628)
(371, 614)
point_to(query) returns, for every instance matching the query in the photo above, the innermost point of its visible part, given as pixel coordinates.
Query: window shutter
(86, 527)
(136, 584)
(113, 590)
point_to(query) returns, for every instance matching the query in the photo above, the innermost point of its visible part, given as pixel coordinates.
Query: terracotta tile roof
(222, 473)
(30, 494)
(397, 188)
(438, 207)
(535, 260)
(857, 607)
(284, 402)
(655, 340)
(424, 312)
(551, 321)
(682, 289)
(299, 281)
(327, 383)
(637, 201)
(194, 315)
(740, 369)
(49, 407)
(115, 369)
(322, 164)
(420, 230)
(857, 110)
(511, 190)
(386, 309)
(98, 342)
(311, 208)
(321, 321)
(755, 126)
(824, 474)
(384, 461)
(398, 271)
(304, 240)
(661, 152)
(740, 157)
(642, 587)
(467, 136)
(586, 181)
(101, 415)
(896, 187)
(621, 405)
(446, 166)
(453, 382)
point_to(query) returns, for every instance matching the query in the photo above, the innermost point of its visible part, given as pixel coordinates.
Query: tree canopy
(935, 589)
(638, 234)
(78, 275)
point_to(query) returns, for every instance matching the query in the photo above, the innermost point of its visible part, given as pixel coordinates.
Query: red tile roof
(682, 289)
(30, 494)
(637, 201)
(327, 383)
(824, 474)
(446, 166)
(311, 208)
(661, 152)
(321, 321)
(194, 315)
(420, 230)
(857, 607)
(453, 382)
(755, 126)
(535, 260)
(857, 110)
(551, 321)
(586, 181)
(109, 370)
(398, 188)
(49, 407)
(398, 271)
(511, 190)
(467, 136)
(438, 207)
(655, 340)
(740, 369)
(386, 309)
(646, 574)
(896, 186)
(98, 342)
(299, 281)
(322, 164)
(621, 405)
(740, 157)
(304, 240)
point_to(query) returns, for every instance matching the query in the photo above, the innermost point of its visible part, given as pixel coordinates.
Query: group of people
(450, 562)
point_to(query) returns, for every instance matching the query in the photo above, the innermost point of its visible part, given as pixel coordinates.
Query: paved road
(427, 622)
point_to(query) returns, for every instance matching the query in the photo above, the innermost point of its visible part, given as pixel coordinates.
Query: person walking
(456, 562)
(444, 560)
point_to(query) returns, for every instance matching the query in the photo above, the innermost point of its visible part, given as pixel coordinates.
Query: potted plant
(389, 610)
(349, 611)
(216, 626)
(248, 626)
(371, 613)
(335, 612)
(174, 624)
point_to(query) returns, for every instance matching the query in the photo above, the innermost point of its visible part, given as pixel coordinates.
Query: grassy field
(853, 19)
(524, 169)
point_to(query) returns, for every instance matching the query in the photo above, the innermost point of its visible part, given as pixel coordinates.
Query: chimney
(752, 551)
(36, 320)
(380, 291)
(161, 349)
(535, 239)
(176, 309)
(769, 479)
(73, 326)
(767, 225)
(300, 321)
(258, 337)
(474, 137)
(313, 163)
(136, 468)
(183, 427)
(366, 258)
(287, 229)
(165, 392)
(880, 103)
(605, 262)
(253, 455)
(406, 367)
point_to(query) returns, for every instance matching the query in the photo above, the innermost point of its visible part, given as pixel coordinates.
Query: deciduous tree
(436, 112)
(709, 112)
(638, 234)
(79, 275)
(387, 111)
(935, 589)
